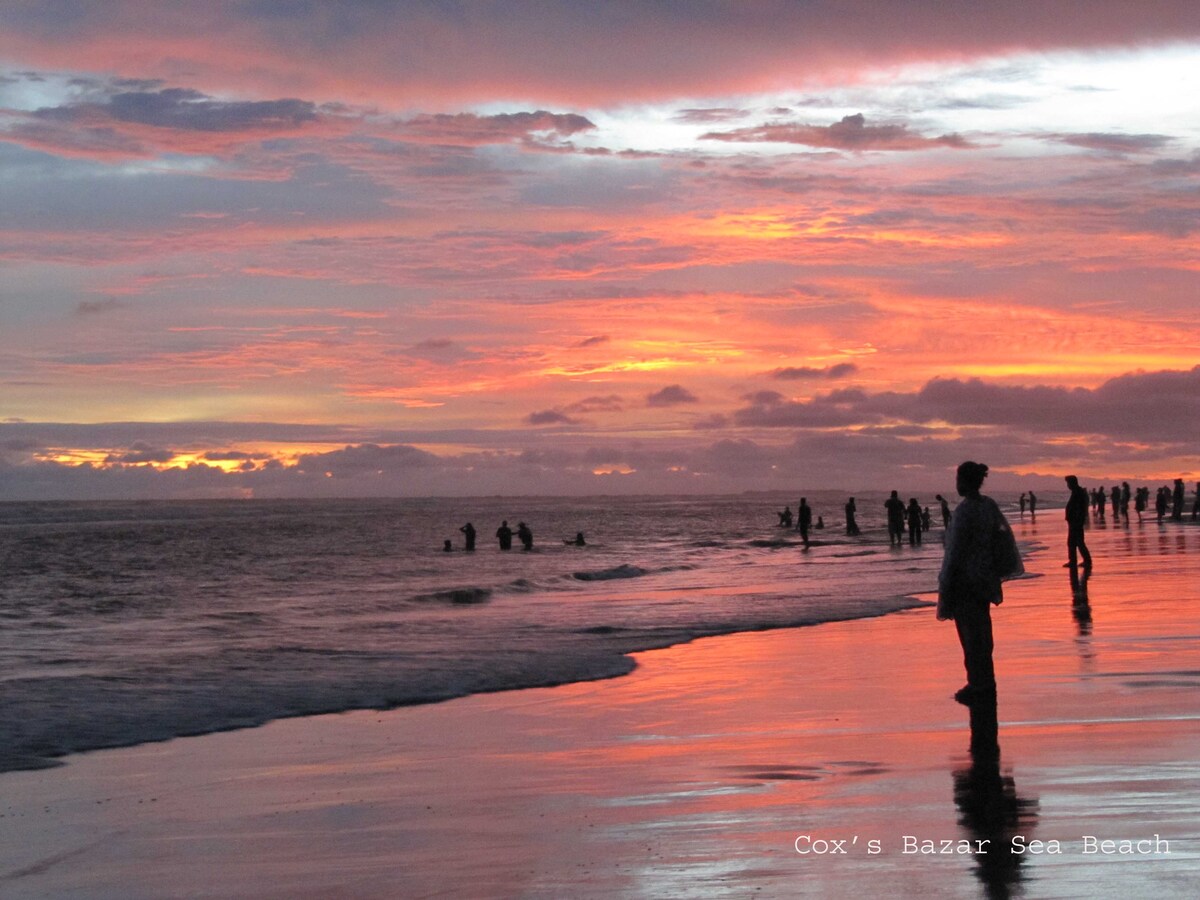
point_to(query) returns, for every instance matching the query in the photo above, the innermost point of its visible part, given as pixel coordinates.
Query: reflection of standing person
(969, 583)
(851, 524)
(504, 535)
(468, 531)
(895, 518)
(804, 520)
(1077, 517)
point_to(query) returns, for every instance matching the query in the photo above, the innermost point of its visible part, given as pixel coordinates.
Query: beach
(825, 761)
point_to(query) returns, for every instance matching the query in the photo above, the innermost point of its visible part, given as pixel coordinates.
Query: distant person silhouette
(525, 535)
(820, 523)
(946, 510)
(1101, 502)
(1141, 501)
(1196, 504)
(1033, 504)
(468, 531)
(1115, 497)
(448, 546)
(504, 535)
(785, 518)
(895, 518)
(1125, 502)
(1022, 504)
(969, 582)
(913, 514)
(804, 520)
(577, 541)
(1177, 501)
(1161, 499)
(851, 525)
(926, 519)
(1077, 519)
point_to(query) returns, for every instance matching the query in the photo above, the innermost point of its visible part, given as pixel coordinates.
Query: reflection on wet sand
(989, 807)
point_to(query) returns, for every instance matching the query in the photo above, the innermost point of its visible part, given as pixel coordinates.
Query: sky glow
(655, 247)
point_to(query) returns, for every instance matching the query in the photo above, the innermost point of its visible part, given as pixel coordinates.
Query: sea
(128, 622)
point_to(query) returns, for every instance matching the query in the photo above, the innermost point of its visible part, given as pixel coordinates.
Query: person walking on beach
(504, 535)
(804, 520)
(895, 518)
(969, 582)
(468, 531)
(1077, 518)
(851, 525)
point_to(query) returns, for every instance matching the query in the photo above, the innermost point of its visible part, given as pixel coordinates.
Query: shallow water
(129, 622)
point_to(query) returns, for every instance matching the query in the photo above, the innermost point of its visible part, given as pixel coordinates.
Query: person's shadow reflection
(989, 808)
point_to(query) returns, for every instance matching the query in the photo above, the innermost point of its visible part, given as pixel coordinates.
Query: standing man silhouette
(1077, 516)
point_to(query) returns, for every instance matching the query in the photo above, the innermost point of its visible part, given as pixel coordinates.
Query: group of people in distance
(913, 518)
(504, 535)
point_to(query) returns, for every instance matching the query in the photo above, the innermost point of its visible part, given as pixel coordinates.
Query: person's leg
(974, 625)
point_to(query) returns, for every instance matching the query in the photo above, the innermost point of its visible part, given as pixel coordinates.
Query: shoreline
(694, 775)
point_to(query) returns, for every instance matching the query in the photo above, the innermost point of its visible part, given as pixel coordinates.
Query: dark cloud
(141, 452)
(185, 109)
(366, 459)
(609, 403)
(808, 373)
(549, 417)
(96, 307)
(472, 130)
(594, 341)
(1116, 144)
(851, 133)
(1130, 407)
(672, 395)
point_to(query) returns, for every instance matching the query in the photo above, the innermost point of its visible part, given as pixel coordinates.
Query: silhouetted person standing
(969, 583)
(525, 535)
(946, 510)
(468, 531)
(851, 524)
(1033, 504)
(1077, 518)
(804, 520)
(1022, 505)
(1177, 501)
(1196, 504)
(504, 535)
(895, 518)
(1160, 502)
(913, 514)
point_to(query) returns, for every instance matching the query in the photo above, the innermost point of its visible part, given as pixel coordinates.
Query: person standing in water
(468, 531)
(913, 514)
(969, 582)
(526, 536)
(804, 520)
(946, 510)
(895, 518)
(851, 525)
(504, 535)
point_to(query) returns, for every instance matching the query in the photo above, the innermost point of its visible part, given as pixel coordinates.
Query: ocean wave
(466, 595)
(622, 571)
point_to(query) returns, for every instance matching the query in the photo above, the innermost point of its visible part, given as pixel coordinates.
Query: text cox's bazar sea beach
(812, 747)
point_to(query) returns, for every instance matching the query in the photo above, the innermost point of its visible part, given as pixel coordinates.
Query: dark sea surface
(129, 622)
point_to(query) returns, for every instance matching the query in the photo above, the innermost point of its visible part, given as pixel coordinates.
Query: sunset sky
(288, 248)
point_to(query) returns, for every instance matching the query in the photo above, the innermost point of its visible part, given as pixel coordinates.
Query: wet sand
(702, 773)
